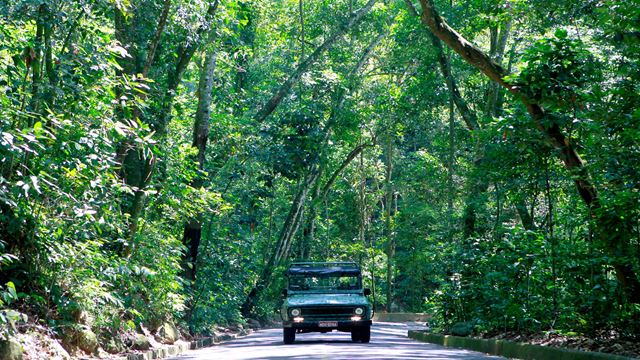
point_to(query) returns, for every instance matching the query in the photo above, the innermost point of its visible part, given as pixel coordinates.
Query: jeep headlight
(295, 312)
(359, 311)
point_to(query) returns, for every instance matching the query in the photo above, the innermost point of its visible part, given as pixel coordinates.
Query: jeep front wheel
(361, 334)
(355, 335)
(365, 334)
(288, 335)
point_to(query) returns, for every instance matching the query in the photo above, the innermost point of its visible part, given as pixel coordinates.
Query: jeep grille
(328, 313)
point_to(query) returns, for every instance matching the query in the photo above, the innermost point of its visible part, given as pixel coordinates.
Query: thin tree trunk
(332, 179)
(362, 203)
(301, 11)
(48, 59)
(614, 243)
(468, 116)
(388, 227)
(245, 38)
(498, 222)
(36, 61)
(309, 230)
(477, 186)
(552, 238)
(450, 165)
(321, 192)
(193, 228)
(153, 45)
(497, 53)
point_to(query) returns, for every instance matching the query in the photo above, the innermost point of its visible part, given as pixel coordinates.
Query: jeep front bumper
(314, 325)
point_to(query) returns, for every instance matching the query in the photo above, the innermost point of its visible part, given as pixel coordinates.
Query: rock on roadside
(87, 341)
(114, 345)
(141, 342)
(10, 350)
(167, 334)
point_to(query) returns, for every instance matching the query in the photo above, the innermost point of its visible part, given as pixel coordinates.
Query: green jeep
(325, 296)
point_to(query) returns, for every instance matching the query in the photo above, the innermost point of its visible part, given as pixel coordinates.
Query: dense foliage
(163, 160)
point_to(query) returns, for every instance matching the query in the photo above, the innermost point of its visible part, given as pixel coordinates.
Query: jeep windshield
(324, 283)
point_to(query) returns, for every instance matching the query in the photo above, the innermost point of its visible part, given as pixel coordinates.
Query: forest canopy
(165, 160)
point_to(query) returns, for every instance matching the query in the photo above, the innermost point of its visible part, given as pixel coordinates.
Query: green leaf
(37, 128)
(561, 33)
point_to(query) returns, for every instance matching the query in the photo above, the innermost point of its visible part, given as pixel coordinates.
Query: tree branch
(352, 155)
(153, 45)
(284, 89)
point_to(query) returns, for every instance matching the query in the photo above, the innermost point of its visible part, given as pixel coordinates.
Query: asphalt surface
(388, 341)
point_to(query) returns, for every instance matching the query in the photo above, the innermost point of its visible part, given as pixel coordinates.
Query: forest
(162, 161)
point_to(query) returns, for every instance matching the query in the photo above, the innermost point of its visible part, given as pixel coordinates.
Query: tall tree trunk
(321, 192)
(193, 228)
(155, 41)
(498, 46)
(362, 203)
(388, 226)
(614, 242)
(525, 217)
(450, 165)
(551, 237)
(309, 230)
(468, 116)
(302, 40)
(35, 58)
(50, 70)
(246, 37)
(291, 225)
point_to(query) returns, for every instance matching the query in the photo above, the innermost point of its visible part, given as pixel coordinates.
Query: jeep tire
(355, 335)
(288, 335)
(365, 334)
(361, 334)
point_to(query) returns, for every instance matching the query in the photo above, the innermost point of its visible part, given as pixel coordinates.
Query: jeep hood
(295, 300)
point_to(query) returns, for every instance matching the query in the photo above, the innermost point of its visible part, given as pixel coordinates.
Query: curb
(511, 349)
(400, 317)
(177, 349)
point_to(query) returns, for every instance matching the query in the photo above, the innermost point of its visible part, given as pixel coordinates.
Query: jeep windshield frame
(324, 278)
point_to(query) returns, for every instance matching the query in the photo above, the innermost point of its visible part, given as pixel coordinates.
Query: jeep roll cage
(323, 269)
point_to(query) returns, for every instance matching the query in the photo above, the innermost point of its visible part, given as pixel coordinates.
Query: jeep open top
(325, 296)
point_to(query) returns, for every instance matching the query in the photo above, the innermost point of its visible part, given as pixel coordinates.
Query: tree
(567, 152)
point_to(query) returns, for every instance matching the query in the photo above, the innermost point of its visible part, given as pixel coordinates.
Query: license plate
(328, 324)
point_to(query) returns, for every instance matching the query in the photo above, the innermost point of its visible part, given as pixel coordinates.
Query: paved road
(388, 341)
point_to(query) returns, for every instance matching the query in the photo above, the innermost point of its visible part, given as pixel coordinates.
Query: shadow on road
(388, 341)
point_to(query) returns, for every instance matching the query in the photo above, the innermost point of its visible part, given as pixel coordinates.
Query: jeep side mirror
(367, 292)
(284, 292)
